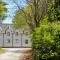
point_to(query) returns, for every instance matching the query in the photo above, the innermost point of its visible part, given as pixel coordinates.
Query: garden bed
(27, 55)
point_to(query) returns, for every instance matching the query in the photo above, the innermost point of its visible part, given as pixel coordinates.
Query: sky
(12, 7)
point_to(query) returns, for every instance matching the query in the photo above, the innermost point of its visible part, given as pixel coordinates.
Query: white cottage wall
(1, 40)
(16, 40)
(10, 38)
(24, 43)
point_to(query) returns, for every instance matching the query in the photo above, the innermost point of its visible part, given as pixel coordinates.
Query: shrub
(46, 41)
(46, 38)
(54, 10)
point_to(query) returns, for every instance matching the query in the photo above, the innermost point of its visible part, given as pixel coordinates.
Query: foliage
(46, 41)
(3, 9)
(18, 19)
(46, 38)
(54, 10)
(31, 14)
(2, 50)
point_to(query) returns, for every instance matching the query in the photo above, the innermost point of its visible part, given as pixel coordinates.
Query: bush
(54, 10)
(46, 38)
(46, 41)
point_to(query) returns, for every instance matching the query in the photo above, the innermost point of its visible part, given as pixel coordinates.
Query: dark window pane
(26, 41)
(8, 40)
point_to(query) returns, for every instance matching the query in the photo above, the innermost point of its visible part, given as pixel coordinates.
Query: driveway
(13, 53)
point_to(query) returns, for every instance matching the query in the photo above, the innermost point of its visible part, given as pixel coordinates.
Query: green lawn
(2, 50)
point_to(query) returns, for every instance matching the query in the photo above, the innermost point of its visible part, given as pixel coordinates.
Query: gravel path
(13, 53)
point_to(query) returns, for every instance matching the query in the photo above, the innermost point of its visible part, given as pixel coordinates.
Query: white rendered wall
(1, 40)
(6, 44)
(21, 37)
(18, 38)
(18, 43)
(23, 41)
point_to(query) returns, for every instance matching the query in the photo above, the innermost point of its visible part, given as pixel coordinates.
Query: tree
(54, 11)
(32, 14)
(46, 42)
(46, 38)
(3, 9)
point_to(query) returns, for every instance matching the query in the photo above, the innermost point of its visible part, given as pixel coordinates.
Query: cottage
(11, 37)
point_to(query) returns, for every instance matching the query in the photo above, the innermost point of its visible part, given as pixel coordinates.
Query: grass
(2, 50)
